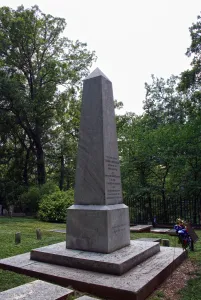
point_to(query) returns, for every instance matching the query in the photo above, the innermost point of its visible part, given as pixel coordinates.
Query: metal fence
(143, 210)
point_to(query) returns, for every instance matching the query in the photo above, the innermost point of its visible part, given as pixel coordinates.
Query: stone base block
(140, 228)
(37, 290)
(98, 228)
(117, 262)
(136, 284)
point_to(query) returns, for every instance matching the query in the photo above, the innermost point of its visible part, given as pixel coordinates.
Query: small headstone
(1, 210)
(192, 233)
(11, 210)
(5, 212)
(18, 238)
(38, 234)
(166, 243)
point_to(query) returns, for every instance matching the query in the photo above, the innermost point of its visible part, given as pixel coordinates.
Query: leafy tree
(163, 102)
(35, 61)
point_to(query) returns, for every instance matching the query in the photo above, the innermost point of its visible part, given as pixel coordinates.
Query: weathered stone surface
(156, 240)
(99, 221)
(117, 262)
(135, 284)
(36, 290)
(140, 228)
(159, 230)
(98, 180)
(98, 228)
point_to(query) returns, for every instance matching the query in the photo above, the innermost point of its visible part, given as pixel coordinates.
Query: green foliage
(53, 207)
(30, 199)
(35, 61)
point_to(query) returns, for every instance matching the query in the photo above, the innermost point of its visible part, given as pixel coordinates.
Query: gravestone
(38, 234)
(98, 221)
(165, 242)
(18, 238)
(1, 209)
(192, 233)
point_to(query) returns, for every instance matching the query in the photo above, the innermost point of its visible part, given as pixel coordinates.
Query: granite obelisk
(98, 221)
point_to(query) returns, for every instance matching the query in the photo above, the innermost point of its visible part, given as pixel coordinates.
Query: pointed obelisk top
(97, 72)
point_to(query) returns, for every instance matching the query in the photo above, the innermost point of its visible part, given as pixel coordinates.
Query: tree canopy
(41, 72)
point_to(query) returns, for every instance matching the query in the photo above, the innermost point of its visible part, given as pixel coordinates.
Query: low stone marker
(18, 238)
(86, 298)
(5, 212)
(37, 290)
(58, 230)
(38, 234)
(140, 228)
(150, 240)
(172, 232)
(165, 243)
(159, 230)
(11, 210)
(193, 236)
(192, 233)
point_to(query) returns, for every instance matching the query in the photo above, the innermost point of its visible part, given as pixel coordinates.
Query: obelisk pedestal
(98, 221)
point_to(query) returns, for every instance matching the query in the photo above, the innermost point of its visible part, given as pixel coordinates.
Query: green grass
(28, 226)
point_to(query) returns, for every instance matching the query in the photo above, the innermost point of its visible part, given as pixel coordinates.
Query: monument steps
(117, 262)
(135, 284)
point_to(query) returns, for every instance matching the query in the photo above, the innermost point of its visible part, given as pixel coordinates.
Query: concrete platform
(136, 284)
(117, 262)
(37, 290)
(160, 230)
(140, 228)
(155, 240)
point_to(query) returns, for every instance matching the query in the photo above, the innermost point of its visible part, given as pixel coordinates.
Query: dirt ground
(170, 287)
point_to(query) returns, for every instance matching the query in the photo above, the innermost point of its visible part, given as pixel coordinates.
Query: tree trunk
(61, 181)
(40, 165)
(25, 172)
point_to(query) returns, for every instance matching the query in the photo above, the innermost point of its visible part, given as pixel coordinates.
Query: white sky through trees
(132, 38)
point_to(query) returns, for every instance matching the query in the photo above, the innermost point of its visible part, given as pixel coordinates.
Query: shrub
(30, 199)
(53, 207)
